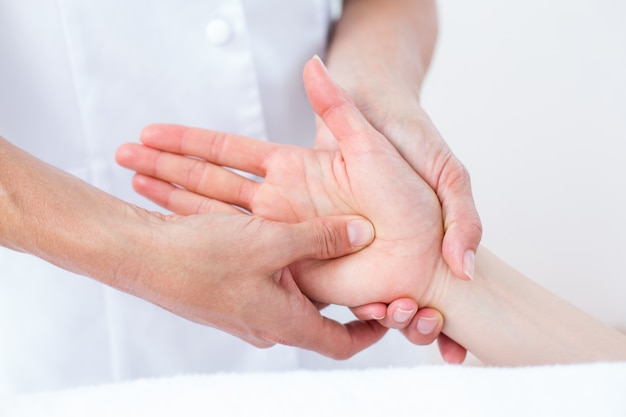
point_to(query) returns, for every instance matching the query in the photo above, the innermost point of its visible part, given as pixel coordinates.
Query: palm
(301, 183)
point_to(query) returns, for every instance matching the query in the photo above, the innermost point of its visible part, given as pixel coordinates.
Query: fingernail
(317, 58)
(360, 232)
(469, 260)
(426, 325)
(402, 316)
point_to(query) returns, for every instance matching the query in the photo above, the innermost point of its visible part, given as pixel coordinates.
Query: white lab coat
(77, 79)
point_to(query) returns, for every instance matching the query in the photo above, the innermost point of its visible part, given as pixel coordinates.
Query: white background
(531, 96)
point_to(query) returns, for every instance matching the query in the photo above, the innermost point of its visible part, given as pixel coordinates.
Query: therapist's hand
(380, 52)
(419, 142)
(230, 271)
(421, 326)
(223, 269)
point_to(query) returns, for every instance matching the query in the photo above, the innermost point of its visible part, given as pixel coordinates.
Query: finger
(325, 238)
(374, 311)
(400, 313)
(397, 315)
(425, 327)
(324, 139)
(219, 148)
(193, 174)
(308, 329)
(349, 339)
(451, 351)
(463, 229)
(341, 341)
(444, 173)
(178, 200)
(334, 106)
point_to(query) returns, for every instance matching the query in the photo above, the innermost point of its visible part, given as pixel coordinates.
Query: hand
(405, 122)
(229, 271)
(400, 117)
(397, 315)
(410, 130)
(419, 142)
(421, 327)
(393, 315)
(385, 83)
(224, 269)
(366, 175)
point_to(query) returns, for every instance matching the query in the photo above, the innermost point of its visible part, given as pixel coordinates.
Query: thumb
(329, 237)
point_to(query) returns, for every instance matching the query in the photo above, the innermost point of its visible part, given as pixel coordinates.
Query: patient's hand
(366, 175)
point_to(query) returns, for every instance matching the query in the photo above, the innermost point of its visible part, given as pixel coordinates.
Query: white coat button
(219, 31)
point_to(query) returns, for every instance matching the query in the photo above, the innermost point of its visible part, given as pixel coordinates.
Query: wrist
(374, 86)
(128, 240)
(504, 318)
(389, 55)
(59, 218)
(104, 238)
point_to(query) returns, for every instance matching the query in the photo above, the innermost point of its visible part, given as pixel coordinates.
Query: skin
(526, 324)
(399, 313)
(300, 183)
(382, 64)
(184, 264)
(267, 199)
(61, 248)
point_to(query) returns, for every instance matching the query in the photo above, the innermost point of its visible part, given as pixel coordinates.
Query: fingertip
(150, 188)
(323, 93)
(460, 253)
(463, 229)
(149, 132)
(152, 134)
(425, 327)
(315, 66)
(318, 61)
(429, 322)
(451, 352)
(374, 311)
(360, 232)
(401, 317)
(351, 339)
(469, 264)
(401, 312)
(140, 182)
(329, 237)
(123, 154)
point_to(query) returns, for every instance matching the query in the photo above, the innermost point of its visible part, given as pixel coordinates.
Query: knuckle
(459, 176)
(453, 174)
(476, 227)
(196, 174)
(205, 206)
(326, 240)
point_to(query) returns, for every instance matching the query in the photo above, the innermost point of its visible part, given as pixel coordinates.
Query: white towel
(567, 390)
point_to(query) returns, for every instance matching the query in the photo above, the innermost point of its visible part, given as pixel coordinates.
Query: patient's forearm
(504, 318)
